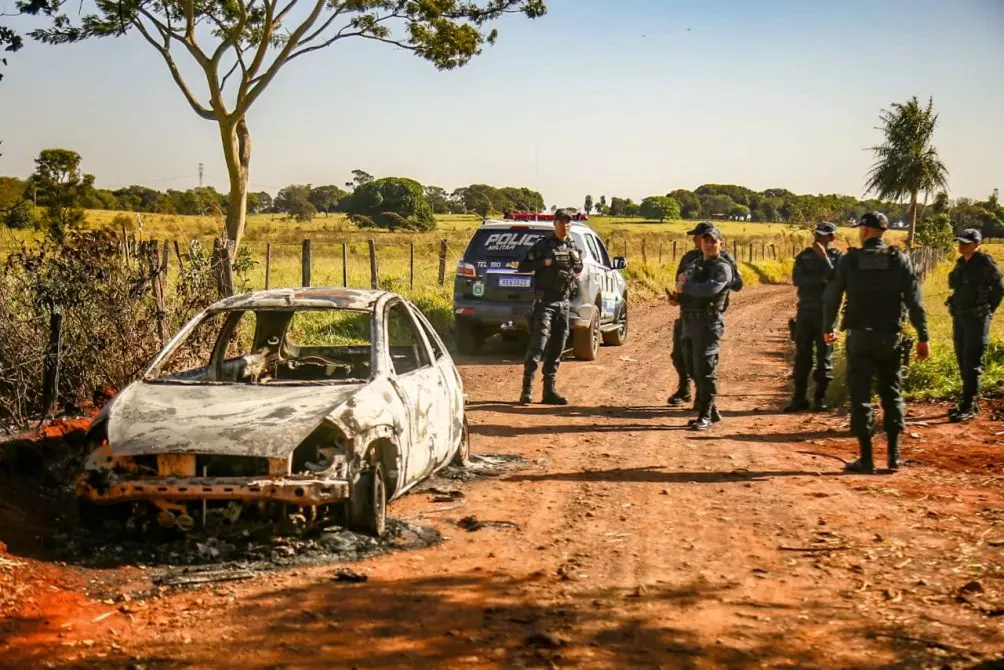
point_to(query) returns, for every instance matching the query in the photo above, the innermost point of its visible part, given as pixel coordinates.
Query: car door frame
(451, 386)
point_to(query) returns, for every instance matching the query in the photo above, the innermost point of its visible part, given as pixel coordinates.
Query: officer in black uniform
(880, 284)
(555, 262)
(682, 347)
(704, 291)
(812, 271)
(976, 294)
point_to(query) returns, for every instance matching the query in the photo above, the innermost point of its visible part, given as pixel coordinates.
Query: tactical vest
(557, 281)
(970, 288)
(717, 303)
(874, 289)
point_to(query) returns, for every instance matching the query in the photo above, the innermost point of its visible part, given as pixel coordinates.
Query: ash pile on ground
(252, 549)
(479, 466)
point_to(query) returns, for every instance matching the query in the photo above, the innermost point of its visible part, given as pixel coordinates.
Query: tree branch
(165, 52)
(280, 60)
(263, 44)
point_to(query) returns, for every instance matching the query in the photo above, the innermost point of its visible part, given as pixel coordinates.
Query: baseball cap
(825, 228)
(713, 233)
(970, 236)
(700, 228)
(873, 220)
(562, 214)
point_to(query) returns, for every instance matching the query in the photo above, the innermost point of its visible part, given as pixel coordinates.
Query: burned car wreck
(286, 405)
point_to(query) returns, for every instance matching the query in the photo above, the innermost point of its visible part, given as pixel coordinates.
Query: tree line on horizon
(60, 191)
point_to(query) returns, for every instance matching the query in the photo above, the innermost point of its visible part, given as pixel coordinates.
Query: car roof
(499, 224)
(305, 298)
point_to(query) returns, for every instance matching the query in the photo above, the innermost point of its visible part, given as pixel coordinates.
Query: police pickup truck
(491, 297)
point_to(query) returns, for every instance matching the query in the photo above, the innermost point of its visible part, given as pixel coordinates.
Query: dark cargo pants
(809, 341)
(874, 355)
(548, 334)
(705, 333)
(682, 355)
(971, 336)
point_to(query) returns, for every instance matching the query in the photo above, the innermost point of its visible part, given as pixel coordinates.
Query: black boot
(551, 396)
(798, 403)
(526, 395)
(716, 416)
(819, 403)
(682, 396)
(864, 465)
(965, 411)
(893, 451)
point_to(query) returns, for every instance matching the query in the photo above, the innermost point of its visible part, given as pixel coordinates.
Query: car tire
(367, 508)
(469, 339)
(463, 454)
(618, 336)
(586, 341)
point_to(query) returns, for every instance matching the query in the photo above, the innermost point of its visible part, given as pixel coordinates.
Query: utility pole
(200, 175)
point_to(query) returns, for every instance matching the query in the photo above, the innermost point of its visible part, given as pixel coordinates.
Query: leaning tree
(241, 45)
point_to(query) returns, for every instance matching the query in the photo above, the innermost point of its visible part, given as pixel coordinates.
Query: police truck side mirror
(620, 263)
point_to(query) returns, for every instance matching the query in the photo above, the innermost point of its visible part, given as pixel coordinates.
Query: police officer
(812, 271)
(682, 355)
(976, 294)
(880, 284)
(555, 262)
(704, 291)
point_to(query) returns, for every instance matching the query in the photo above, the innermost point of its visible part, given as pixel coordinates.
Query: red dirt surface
(627, 542)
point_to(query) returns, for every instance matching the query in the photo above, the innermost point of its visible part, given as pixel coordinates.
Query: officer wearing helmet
(977, 290)
(812, 271)
(880, 285)
(555, 262)
(683, 354)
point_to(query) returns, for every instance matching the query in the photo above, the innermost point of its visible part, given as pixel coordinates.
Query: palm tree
(907, 164)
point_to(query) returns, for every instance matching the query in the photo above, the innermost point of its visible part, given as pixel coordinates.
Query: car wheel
(469, 339)
(616, 338)
(463, 453)
(367, 508)
(586, 341)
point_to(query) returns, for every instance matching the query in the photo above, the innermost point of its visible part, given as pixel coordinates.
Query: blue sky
(607, 97)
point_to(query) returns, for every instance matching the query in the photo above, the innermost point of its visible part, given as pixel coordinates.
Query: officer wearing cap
(880, 285)
(682, 347)
(704, 291)
(977, 290)
(555, 262)
(812, 271)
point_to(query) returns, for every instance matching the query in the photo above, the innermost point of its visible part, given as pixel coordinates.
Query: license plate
(514, 282)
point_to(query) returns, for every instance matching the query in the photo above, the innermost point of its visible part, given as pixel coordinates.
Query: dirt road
(624, 541)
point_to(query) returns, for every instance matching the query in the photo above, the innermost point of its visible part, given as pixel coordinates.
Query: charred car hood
(225, 419)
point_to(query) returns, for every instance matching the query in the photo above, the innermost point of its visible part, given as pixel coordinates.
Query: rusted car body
(316, 403)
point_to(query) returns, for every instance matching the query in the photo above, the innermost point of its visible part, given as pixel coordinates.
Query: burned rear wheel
(367, 507)
(463, 453)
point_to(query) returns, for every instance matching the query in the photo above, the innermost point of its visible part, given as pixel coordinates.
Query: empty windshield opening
(272, 346)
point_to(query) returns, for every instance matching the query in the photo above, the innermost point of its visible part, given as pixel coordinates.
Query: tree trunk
(912, 213)
(237, 151)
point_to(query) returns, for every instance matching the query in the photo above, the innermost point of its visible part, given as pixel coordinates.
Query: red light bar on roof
(532, 216)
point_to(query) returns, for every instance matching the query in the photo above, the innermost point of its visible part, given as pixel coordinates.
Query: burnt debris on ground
(479, 466)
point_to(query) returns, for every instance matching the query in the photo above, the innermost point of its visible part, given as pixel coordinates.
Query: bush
(936, 232)
(20, 215)
(109, 315)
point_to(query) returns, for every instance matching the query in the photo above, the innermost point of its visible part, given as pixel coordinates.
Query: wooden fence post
(125, 244)
(306, 259)
(50, 381)
(165, 259)
(644, 252)
(374, 270)
(158, 272)
(442, 262)
(660, 254)
(177, 253)
(268, 265)
(674, 251)
(345, 264)
(411, 260)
